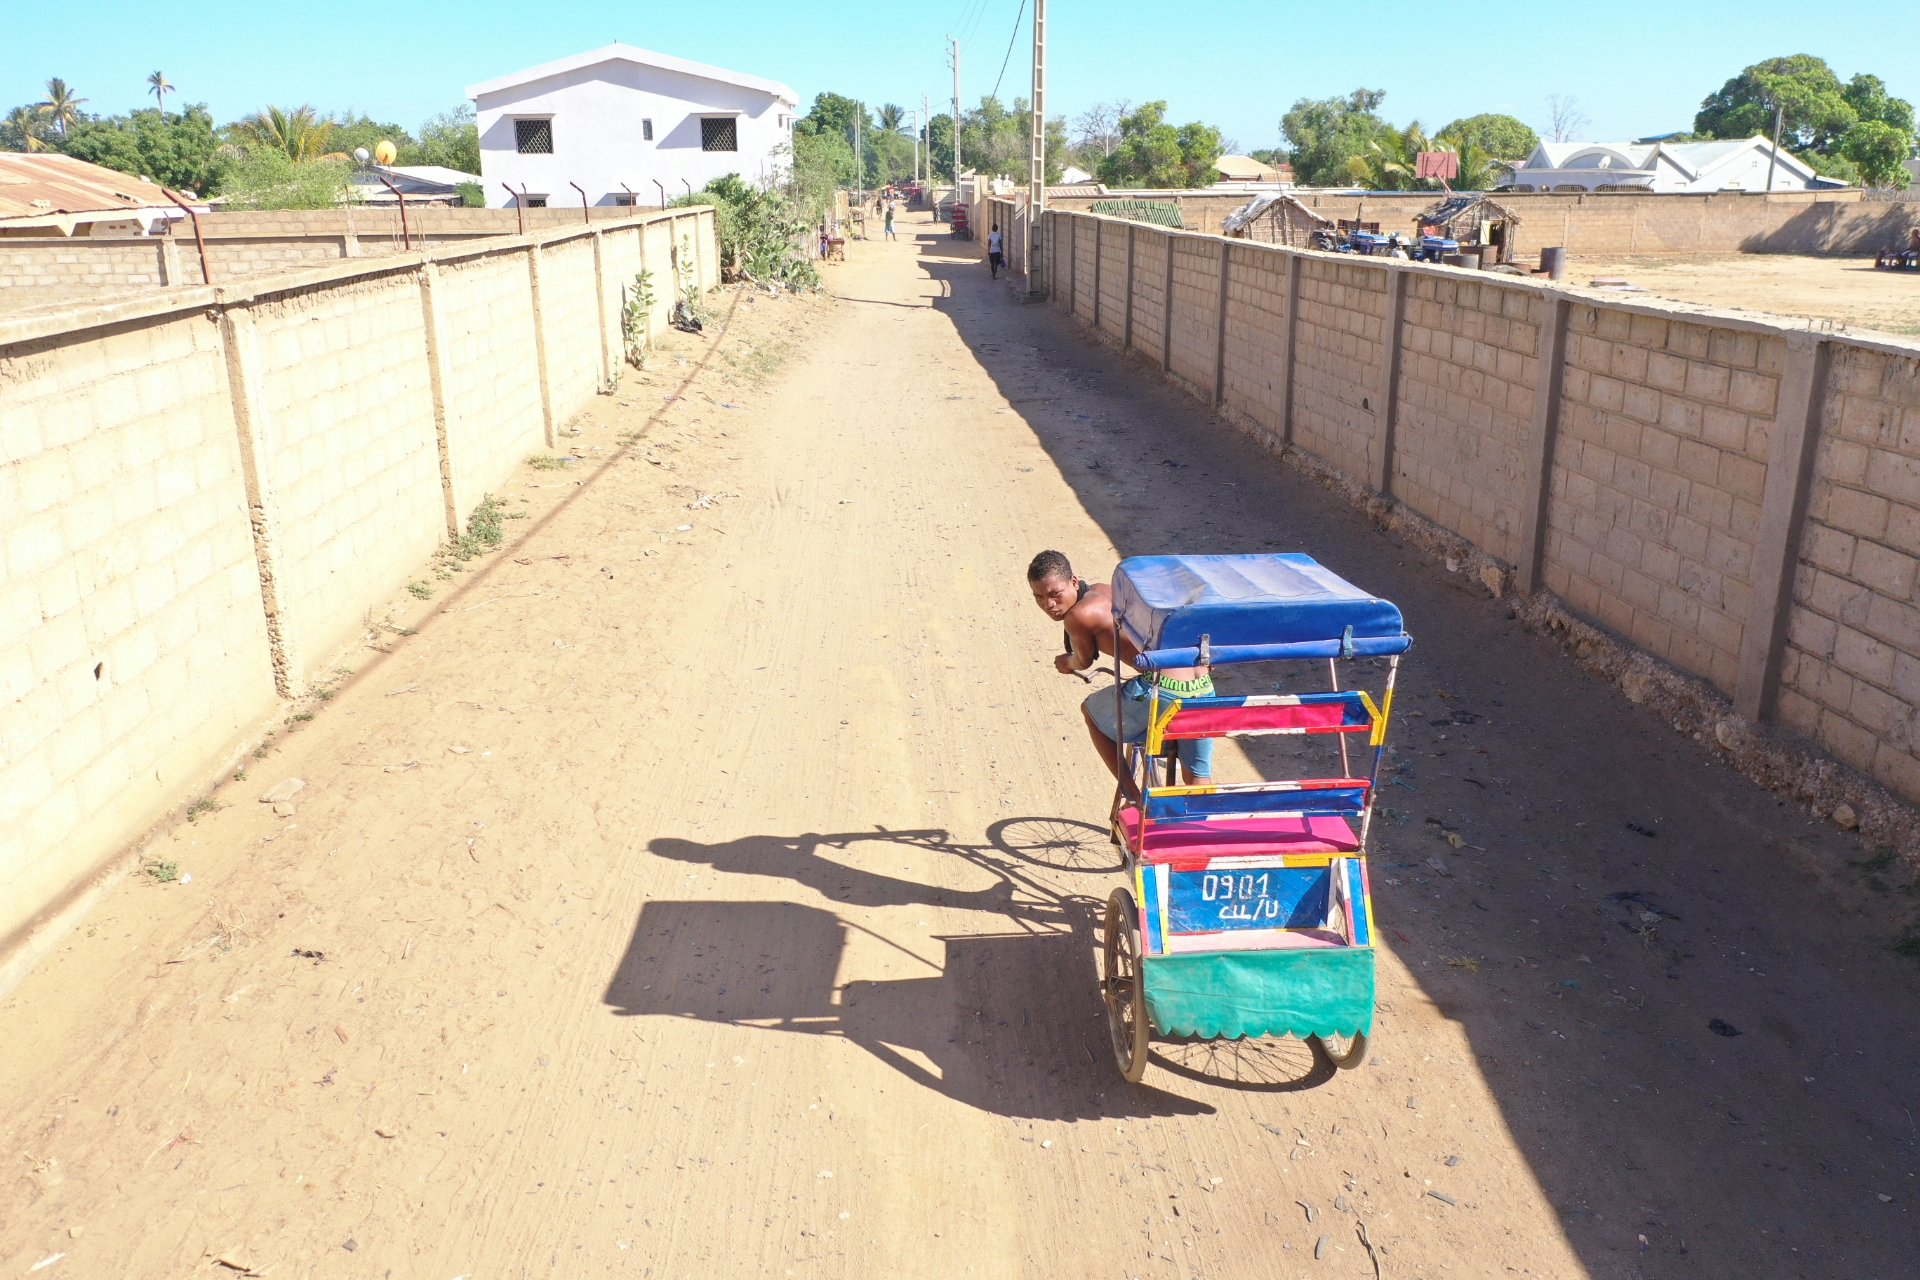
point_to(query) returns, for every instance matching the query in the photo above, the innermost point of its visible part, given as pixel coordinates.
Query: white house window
(625, 200)
(533, 137)
(536, 202)
(718, 133)
(646, 131)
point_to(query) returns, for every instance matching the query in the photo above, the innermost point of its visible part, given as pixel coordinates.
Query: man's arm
(1086, 650)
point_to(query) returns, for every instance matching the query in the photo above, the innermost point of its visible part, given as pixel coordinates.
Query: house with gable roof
(1732, 164)
(616, 120)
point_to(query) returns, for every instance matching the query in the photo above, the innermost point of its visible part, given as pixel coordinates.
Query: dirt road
(692, 893)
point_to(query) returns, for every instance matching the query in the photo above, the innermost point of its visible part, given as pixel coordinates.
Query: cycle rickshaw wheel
(1122, 989)
(1344, 1052)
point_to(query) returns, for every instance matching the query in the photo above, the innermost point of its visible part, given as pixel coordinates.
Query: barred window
(646, 131)
(533, 137)
(719, 134)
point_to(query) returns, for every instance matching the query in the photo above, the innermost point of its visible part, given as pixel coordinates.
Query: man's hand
(1063, 663)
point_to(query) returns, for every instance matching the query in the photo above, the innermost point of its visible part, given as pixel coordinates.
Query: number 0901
(1229, 887)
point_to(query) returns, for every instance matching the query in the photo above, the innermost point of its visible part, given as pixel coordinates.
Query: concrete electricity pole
(1037, 153)
(955, 56)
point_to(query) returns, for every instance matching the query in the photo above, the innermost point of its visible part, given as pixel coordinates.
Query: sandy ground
(1848, 292)
(708, 887)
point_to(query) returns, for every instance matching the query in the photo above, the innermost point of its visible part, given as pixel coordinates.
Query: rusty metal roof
(47, 188)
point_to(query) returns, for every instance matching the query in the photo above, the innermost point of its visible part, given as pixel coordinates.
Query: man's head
(996, 226)
(1055, 589)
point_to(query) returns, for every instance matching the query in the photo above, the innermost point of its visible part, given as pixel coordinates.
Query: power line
(1010, 39)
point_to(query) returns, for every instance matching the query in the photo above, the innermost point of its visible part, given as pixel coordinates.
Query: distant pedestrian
(890, 234)
(993, 250)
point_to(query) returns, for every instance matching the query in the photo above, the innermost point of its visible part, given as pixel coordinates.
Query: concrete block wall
(1338, 359)
(1193, 316)
(1734, 495)
(132, 642)
(1255, 365)
(1465, 411)
(1851, 676)
(1658, 475)
(202, 492)
(572, 324)
(348, 459)
(1111, 244)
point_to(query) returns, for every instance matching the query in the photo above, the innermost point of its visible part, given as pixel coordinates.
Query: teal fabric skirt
(1318, 991)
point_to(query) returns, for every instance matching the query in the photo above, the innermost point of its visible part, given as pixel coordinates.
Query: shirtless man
(1086, 610)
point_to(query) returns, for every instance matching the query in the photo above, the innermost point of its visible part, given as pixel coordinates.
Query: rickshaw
(1247, 911)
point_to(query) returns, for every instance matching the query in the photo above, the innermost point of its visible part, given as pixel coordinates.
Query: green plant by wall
(636, 314)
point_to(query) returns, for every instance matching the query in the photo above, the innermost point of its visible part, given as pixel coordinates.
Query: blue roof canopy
(1252, 609)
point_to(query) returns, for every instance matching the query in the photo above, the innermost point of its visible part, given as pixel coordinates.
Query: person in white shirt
(993, 250)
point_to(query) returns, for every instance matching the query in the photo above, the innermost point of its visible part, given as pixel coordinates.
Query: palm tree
(893, 118)
(300, 133)
(159, 86)
(61, 106)
(23, 126)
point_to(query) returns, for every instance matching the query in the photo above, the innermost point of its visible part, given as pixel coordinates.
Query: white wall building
(618, 119)
(1737, 164)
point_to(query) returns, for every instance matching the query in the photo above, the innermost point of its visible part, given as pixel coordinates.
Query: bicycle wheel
(1344, 1052)
(1121, 988)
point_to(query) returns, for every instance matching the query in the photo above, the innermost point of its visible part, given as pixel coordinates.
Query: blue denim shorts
(1196, 754)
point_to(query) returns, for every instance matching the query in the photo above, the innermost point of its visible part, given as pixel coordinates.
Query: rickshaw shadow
(1009, 1020)
(1251, 1066)
(1010, 1023)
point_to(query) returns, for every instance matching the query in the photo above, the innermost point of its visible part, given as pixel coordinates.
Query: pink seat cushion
(1189, 839)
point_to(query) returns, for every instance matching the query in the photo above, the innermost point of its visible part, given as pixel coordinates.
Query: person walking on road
(993, 250)
(890, 234)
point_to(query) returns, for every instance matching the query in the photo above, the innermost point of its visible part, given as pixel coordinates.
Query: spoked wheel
(1122, 989)
(1343, 1052)
(1058, 843)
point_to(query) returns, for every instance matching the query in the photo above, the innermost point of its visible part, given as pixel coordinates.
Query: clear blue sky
(1637, 67)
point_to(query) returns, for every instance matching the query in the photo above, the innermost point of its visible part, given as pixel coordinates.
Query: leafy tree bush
(267, 178)
(1153, 153)
(1856, 131)
(762, 233)
(175, 149)
(450, 139)
(1502, 136)
(348, 131)
(1326, 132)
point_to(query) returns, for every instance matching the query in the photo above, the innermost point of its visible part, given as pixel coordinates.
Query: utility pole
(1773, 156)
(926, 134)
(1037, 151)
(955, 57)
(859, 165)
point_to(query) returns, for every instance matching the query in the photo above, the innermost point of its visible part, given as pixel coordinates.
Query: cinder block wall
(201, 493)
(1735, 496)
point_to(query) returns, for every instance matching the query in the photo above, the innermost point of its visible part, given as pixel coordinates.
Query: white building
(617, 120)
(1736, 164)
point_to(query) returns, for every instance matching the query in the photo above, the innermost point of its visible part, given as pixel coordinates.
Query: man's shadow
(1009, 1020)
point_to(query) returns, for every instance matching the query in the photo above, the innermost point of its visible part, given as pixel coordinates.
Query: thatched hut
(1273, 217)
(1471, 219)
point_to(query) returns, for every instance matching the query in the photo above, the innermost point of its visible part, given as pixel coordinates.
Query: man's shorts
(994, 258)
(1196, 754)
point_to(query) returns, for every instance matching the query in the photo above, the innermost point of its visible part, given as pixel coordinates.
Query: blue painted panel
(1267, 898)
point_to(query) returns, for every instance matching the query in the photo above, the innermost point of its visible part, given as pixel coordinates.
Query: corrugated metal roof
(45, 185)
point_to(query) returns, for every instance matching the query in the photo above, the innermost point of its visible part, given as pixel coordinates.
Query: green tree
(24, 130)
(351, 130)
(892, 117)
(1155, 154)
(60, 107)
(178, 150)
(450, 139)
(1496, 135)
(1327, 132)
(1879, 152)
(1817, 115)
(1869, 98)
(940, 148)
(762, 233)
(159, 86)
(301, 135)
(269, 178)
(832, 113)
